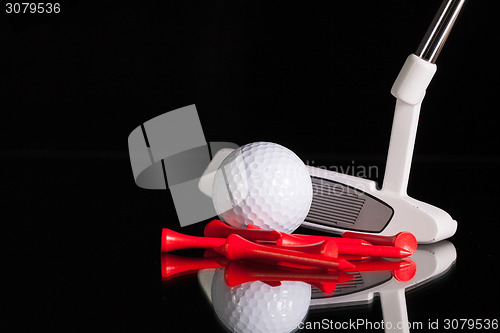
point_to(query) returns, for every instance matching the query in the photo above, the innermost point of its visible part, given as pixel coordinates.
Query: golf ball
(264, 184)
(255, 306)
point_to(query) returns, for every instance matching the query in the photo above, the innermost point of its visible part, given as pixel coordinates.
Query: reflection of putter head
(432, 261)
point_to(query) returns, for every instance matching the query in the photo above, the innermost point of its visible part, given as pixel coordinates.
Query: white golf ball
(255, 307)
(264, 184)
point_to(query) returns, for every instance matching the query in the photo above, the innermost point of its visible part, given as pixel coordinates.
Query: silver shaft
(439, 30)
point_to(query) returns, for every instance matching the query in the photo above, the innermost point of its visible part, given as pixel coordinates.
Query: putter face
(346, 203)
(345, 207)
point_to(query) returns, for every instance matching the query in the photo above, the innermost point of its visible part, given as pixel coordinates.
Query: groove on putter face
(237, 248)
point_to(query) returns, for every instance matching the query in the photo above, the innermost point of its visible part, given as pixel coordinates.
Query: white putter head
(346, 203)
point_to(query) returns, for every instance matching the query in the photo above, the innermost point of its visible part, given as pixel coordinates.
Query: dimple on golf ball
(264, 184)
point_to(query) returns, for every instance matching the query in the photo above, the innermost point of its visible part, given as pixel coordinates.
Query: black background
(82, 240)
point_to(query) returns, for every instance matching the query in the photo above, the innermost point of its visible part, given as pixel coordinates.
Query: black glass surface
(81, 242)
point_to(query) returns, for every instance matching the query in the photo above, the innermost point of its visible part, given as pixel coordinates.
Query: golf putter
(342, 202)
(346, 203)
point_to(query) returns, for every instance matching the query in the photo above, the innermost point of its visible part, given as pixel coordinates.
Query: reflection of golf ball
(255, 307)
(263, 184)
